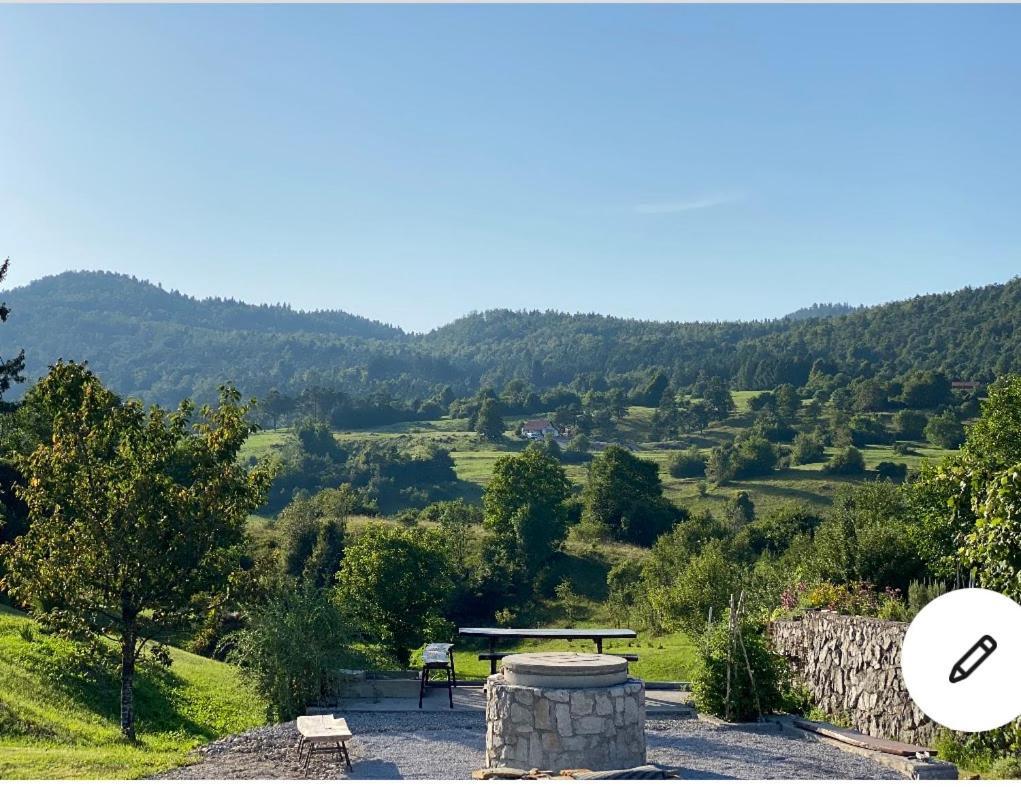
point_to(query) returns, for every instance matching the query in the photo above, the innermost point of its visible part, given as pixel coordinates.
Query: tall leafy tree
(524, 507)
(488, 422)
(134, 515)
(624, 494)
(392, 582)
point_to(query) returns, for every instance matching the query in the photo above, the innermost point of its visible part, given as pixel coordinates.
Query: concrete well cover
(564, 670)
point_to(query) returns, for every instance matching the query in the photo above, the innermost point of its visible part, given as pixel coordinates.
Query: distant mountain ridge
(164, 346)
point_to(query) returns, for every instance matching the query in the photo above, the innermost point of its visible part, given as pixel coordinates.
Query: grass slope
(59, 718)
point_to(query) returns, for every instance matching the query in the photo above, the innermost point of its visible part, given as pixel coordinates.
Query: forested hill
(822, 310)
(164, 346)
(970, 334)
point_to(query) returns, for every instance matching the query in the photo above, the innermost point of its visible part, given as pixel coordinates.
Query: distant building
(965, 385)
(538, 429)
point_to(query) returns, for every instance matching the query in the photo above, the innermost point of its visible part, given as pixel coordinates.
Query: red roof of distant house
(537, 425)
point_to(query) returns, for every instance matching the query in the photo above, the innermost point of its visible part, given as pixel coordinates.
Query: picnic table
(493, 634)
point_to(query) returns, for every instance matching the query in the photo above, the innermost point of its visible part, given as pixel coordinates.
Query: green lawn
(59, 718)
(671, 657)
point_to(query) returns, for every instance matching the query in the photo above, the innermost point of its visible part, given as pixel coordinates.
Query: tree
(945, 431)
(311, 532)
(705, 582)
(524, 507)
(488, 422)
(787, 400)
(276, 404)
(926, 390)
(718, 399)
(807, 448)
(134, 515)
(995, 439)
(624, 493)
(10, 368)
(909, 424)
(392, 581)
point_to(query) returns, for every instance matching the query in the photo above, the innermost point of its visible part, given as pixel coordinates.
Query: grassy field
(59, 719)
(475, 458)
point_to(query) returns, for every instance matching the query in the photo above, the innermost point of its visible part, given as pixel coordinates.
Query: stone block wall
(558, 729)
(851, 665)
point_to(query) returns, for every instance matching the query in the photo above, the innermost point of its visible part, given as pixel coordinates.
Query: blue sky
(415, 163)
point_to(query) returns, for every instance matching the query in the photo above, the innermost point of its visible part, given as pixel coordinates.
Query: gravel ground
(451, 745)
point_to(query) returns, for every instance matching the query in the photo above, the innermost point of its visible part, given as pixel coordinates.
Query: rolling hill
(163, 346)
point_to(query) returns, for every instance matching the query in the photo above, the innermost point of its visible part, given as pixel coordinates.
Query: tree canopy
(135, 514)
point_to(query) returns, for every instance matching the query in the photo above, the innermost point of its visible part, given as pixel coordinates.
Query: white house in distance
(539, 429)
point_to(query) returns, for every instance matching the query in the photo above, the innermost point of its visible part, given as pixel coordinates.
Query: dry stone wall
(851, 665)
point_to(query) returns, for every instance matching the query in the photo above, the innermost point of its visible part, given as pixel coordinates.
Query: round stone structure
(556, 711)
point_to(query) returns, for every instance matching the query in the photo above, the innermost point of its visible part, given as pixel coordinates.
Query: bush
(754, 456)
(867, 429)
(771, 677)
(921, 593)
(892, 471)
(292, 648)
(687, 464)
(846, 461)
(807, 448)
(945, 431)
(910, 424)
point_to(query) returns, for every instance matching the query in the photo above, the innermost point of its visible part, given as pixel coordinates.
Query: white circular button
(961, 659)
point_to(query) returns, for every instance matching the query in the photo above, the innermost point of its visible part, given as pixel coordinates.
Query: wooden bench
(437, 656)
(318, 732)
(492, 658)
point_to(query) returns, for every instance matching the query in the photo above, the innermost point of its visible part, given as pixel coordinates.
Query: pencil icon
(971, 660)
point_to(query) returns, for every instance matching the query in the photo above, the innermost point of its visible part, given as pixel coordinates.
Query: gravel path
(451, 745)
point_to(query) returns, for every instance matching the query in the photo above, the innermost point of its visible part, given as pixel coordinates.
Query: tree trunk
(128, 642)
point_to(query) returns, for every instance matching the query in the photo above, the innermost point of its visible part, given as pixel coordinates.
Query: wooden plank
(861, 740)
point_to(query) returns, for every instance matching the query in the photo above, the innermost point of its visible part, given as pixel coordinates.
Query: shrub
(687, 464)
(867, 429)
(909, 424)
(846, 461)
(292, 648)
(921, 593)
(807, 448)
(892, 471)
(945, 431)
(770, 673)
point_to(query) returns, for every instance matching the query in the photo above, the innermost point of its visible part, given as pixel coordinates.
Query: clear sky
(415, 163)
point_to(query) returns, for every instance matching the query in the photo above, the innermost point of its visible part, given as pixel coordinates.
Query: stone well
(555, 711)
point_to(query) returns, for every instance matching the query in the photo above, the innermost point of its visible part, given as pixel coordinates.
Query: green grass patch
(670, 657)
(59, 717)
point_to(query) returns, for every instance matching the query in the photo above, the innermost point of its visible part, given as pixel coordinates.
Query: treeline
(163, 346)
